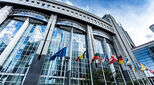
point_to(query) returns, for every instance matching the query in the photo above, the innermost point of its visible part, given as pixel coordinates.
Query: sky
(134, 15)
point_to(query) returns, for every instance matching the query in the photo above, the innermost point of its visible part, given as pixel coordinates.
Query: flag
(151, 71)
(81, 56)
(135, 69)
(142, 67)
(138, 66)
(121, 60)
(105, 58)
(112, 59)
(126, 61)
(96, 57)
(61, 53)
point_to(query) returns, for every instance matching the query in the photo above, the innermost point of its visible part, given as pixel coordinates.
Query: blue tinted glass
(26, 40)
(22, 55)
(8, 30)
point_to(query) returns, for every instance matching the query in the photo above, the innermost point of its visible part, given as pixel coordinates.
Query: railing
(65, 10)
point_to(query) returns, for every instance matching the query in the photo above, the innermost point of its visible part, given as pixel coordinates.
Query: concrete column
(4, 12)
(13, 42)
(68, 73)
(46, 46)
(33, 75)
(90, 49)
(122, 41)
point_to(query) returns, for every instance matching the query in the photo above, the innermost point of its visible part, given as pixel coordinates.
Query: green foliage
(97, 77)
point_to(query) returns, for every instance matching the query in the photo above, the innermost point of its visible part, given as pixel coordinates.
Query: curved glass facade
(16, 65)
(54, 72)
(28, 38)
(22, 55)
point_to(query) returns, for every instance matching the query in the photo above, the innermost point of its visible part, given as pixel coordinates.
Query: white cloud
(59, 0)
(135, 20)
(68, 2)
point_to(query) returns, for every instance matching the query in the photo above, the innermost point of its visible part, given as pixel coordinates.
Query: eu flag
(61, 53)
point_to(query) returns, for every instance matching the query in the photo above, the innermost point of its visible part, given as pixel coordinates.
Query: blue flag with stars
(61, 53)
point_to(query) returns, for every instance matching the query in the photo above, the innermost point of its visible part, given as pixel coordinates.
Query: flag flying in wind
(61, 53)
(151, 71)
(126, 61)
(112, 59)
(143, 67)
(121, 60)
(104, 59)
(81, 56)
(96, 57)
(138, 66)
(135, 69)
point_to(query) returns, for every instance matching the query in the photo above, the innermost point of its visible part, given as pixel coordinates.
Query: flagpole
(65, 70)
(150, 77)
(103, 74)
(122, 75)
(130, 77)
(141, 78)
(147, 79)
(134, 74)
(107, 51)
(114, 78)
(68, 73)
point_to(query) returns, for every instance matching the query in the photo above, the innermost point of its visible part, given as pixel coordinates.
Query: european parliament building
(31, 31)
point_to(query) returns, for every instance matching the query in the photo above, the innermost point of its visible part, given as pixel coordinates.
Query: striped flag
(112, 59)
(96, 57)
(151, 71)
(81, 56)
(121, 60)
(126, 61)
(143, 67)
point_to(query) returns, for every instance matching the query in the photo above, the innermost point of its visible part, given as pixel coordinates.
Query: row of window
(68, 11)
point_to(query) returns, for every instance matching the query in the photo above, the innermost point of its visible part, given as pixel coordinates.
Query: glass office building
(145, 55)
(31, 31)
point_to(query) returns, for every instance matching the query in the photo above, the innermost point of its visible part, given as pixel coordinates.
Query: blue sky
(135, 15)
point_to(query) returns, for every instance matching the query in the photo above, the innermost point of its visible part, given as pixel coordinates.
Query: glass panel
(99, 47)
(22, 55)
(60, 39)
(32, 14)
(8, 30)
(80, 69)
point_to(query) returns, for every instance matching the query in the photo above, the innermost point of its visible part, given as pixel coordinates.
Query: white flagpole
(135, 76)
(130, 77)
(150, 77)
(122, 75)
(103, 74)
(114, 77)
(147, 79)
(141, 78)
